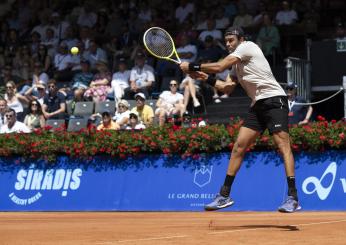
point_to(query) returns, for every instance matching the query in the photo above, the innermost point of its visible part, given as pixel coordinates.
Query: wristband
(194, 67)
(211, 80)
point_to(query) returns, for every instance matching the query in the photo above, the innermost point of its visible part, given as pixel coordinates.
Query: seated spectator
(184, 11)
(87, 18)
(120, 80)
(187, 51)
(188, 85)
(83, 78)
(54, 102)
(298, 114)
(211, 52)
(7, 75)
(268, 37)
(169, 103)
(107, 122)
(51, 42)
(145, 112)
(14, 99)
(211, 31)
(286, 16)
(38, 77)
(340, 32)
(3, 108)
(222, 21)
(34, 119)
(42, 57)
(13, 126)
(133, 123)
(95, 54)
(62, 60)
(100, 85)
(141, 78)
(37, 91)
(243, 18)
(121, 117)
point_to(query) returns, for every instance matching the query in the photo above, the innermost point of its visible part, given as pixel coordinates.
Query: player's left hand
(199, 75)
(184, 66)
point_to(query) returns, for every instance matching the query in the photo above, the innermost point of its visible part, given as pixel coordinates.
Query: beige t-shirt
(254, 73)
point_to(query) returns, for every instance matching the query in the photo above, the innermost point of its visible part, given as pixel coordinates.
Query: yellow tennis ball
(74, 50)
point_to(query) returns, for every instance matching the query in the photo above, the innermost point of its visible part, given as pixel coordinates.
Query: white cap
(140, 95)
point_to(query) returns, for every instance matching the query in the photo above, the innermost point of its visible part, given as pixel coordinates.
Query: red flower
(323, 138)
(320, 118)
(342, 136)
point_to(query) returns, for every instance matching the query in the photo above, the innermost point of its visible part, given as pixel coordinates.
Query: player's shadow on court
(257, 227)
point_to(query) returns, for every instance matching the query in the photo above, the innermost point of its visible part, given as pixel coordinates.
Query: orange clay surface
(172, 228)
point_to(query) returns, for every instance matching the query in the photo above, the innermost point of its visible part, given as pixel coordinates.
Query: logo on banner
(322, 191)
(202, 176)
(43, 180)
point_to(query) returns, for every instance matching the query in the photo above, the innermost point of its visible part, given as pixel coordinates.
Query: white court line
(262, 228)
(145, 239)
(215, 233)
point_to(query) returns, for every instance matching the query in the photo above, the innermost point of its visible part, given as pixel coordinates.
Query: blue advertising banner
(160, 183)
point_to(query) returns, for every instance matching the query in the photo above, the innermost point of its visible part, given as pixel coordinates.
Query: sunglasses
(9, 87)
(173, 84)
(9, 116)
(51, 86)
(34, 104)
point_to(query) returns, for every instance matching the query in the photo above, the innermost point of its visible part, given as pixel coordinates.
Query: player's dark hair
(238, 31)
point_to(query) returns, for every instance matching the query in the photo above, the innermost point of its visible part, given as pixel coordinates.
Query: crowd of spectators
(39, 74)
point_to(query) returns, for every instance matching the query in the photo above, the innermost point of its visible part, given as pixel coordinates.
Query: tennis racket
(160, 44)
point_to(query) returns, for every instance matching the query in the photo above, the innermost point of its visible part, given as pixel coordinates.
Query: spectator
(286, 16)
(141, 78)
(184, 11)
(340, 32)
(95, 54)
(210, 51)
(211, 31)
(43, 25)
(7, 76)
(298, 114)
(243, 18)
(122, 115)
(145, 112)
(83, 78)
(169, 103)
(38, 77)
(37, 92)
(99, 86)
(107, 122)
(70, 38)
(189, 87)
(13, 126)
(187, 51)
(51, 42)
(186, 30)
(134, 124)
(268, 37)
(54, 102)
(14, 99)
(44, 58)
(59, 26)
(120, 79)
(34, 119)
(222, 21)
(3, 108)
(62, 60)
(87, 17)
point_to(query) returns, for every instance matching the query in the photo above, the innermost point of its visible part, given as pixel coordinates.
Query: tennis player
(268, 110)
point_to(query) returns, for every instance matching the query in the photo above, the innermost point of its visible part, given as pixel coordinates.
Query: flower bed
(44, 144)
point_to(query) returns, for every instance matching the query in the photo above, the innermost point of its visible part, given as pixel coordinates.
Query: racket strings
(159, 43)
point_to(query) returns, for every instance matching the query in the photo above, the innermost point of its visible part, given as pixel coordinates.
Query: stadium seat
(76, 124)
(84, 108)
(56, 123)
(105, 106)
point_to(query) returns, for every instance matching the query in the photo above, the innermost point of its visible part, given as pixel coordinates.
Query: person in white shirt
(3, 108)
(184, 10)
(120, 79)
(169, 103)
(269, 110)
(13, 126)
(187, 51)
(286, 16)
(141, 78)
(211, 31)
(134, 123)
(62, 60)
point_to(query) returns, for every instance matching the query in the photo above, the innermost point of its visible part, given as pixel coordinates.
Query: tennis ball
(74, 50)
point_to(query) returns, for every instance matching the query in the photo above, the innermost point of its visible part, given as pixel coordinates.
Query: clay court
(172, 228)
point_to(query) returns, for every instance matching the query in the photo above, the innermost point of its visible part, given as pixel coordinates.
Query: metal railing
(299, 72)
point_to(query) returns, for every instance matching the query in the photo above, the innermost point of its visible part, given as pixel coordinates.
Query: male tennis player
(269, 109)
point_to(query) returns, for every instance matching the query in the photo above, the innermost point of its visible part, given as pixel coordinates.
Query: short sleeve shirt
(254, 73)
